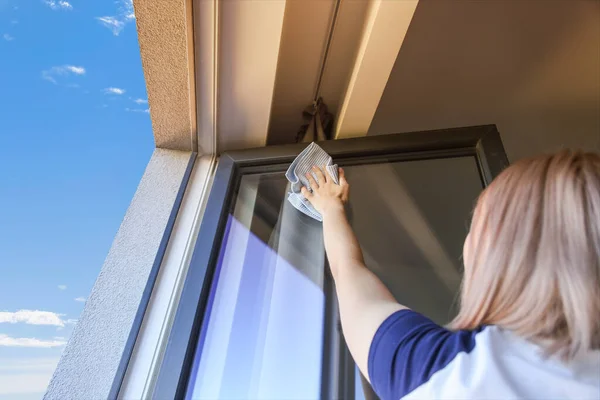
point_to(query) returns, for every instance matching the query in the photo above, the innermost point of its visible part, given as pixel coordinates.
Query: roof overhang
(225, 75)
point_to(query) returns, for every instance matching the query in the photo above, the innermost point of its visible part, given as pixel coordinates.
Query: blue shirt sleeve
(408, 349)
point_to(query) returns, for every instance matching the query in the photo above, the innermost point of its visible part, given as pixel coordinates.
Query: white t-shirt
(411, 357)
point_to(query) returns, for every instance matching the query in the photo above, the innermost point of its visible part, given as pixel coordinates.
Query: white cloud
(20, 376)
(58, 5)
(114, 90)
(142, 110)
(32, 317)
(8, 341)
(48, 77)
(116, 23)
(70, 321)
(74, 69)
(79, 299)
(140, 101)
(64, 70)
(62, 287)
(7, 37)
(126, 9)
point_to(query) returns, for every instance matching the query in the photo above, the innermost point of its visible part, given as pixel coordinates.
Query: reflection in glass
(359, 393)
(263, 334)
(411, 219)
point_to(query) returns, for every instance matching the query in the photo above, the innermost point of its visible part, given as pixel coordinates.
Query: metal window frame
(482, 142)
(153, 333)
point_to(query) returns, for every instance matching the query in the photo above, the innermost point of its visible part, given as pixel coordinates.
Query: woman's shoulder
(411, 354)
(408, 338)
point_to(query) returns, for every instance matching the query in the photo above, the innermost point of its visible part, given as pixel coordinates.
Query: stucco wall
(166, 48)
(91, 359)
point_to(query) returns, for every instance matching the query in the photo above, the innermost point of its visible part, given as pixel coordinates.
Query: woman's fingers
(342, 174)
(313, 184)
(306, 192)
(321, 180)
(326, 174)
(345, 193)
(344, 185)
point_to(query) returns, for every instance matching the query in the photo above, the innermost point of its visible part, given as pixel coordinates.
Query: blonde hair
(532, 259)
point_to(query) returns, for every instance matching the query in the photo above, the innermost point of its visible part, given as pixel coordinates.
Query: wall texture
(530, 67)
(166, 47)
(91, 359)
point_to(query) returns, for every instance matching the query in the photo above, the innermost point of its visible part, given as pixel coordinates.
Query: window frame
(482, 142)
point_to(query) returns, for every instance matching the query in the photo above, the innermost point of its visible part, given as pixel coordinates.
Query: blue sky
(75, 138)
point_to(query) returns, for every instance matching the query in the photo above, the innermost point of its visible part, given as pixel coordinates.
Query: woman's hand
(326, 194)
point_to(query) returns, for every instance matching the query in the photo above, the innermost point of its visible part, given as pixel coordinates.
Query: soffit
(532, 68)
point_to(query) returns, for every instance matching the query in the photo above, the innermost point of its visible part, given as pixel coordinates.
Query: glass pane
(411, 219)
(359, 393)
(264, 336)
(362, 389)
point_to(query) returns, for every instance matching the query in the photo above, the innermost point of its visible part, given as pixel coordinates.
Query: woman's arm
(364, 300)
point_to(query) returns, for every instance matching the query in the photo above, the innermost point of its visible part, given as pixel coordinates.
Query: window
(258, 318)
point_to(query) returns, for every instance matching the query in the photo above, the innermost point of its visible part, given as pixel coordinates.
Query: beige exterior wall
(165, 35)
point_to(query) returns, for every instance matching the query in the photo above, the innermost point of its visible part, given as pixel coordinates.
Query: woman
(529, 321)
